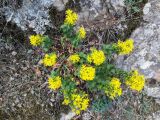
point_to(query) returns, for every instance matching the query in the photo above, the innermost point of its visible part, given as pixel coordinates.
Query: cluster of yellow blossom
(136, 81)
(55, 82)
(97, 57)
(66, 101)
(74, 58)
(114, 89)
(71, 17)
(36, 40)
(80, 102)
(49, 59)
(82, 32)
(87, 72)
(125, 47)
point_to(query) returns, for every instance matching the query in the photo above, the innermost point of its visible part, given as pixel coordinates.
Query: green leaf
(53, 73)
(135, 9)
(47, 43)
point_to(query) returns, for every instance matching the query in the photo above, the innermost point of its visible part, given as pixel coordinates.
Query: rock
(26, 16)
(146, 55)
(86, 116)
(33, 14)
(68, 116)
(14, 53)
(101, 14)
(146, 8)
(155, 116)
(90, 9)
(157, 75)
(118, 5)
(60, 4)
(153, 92)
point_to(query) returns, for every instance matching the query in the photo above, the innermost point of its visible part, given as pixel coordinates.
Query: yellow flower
(54, 83)
(113, 89)
(125, 47)
(71, 17)
(80, 102)
(87, 73)
(66, 101)
(74, 58)
(49, 59)
(36, 40)
(82, 32)
(97, 57)
(136, 81)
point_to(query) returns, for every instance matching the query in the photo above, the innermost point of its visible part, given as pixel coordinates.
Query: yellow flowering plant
(135, 81)
(54, 82)
(49, 59)
(113, 88)
(36, 40)
(74, 58)
(85, 75)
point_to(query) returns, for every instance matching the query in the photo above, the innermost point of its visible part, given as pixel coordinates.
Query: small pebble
(14, 53)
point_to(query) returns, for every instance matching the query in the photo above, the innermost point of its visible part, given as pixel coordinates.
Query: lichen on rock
(33, 14)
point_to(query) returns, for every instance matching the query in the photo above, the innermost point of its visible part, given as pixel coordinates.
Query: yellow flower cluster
(66, 101)
(36, 40)
(82, 32)
(49, 59)
(97, 57)
(87, 73)
(74, 58)
(114, 89)
(136, 81)
(54, 83)
(80, 102)
(125, 47)
(71, 17)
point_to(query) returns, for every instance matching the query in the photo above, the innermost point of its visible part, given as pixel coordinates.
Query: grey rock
(146, 8)
(14, 53)
(26, 16)
(153, 92)
(68, 116)
(146, 55)
(93, 8)
(118, 5)
(86, 116)
(33, 14)
(90, 9)
(154, 116)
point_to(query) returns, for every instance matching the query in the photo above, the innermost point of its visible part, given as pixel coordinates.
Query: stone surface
(154, 116)
(93, 8)
(153, 92)
(146, 55)
(33, 14)
(68, 116)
